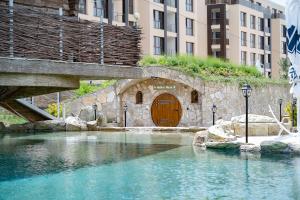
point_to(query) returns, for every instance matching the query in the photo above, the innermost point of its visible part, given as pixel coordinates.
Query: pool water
(77, 166)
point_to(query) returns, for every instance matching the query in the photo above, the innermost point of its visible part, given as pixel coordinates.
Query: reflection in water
(101, 168)
(36, 157)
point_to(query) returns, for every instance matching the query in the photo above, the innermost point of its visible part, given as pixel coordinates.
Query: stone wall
(226, 96)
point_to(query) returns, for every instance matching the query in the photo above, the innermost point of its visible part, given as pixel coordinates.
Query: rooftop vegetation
(211, 69)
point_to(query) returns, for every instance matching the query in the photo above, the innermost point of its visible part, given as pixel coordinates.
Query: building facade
(243, 31)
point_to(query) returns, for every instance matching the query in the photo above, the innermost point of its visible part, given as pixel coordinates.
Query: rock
(273, 146)
(200, 138)
(87, 114)
(217, 134)
(92, 126)
(2, 126)
(26, 127)
(295, 148)
(223, 145)
(75, 124)
(250, 148)
(50, 125)
(253, 119)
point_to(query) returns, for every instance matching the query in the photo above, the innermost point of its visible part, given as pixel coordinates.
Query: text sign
(164, 87)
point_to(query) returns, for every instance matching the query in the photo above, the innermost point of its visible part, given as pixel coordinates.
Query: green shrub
(8, 119)
(211, 69)
(52, 109)
(289, 111)
(87, 88)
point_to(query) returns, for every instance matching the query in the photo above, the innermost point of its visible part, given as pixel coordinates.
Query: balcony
(268, 65)
(219, 21)
(267, 29)
(171, 3)
(268, 47)
(278, 16)
(172, 28)
(216, 41)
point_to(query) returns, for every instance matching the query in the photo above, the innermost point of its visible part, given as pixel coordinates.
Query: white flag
(293, 45)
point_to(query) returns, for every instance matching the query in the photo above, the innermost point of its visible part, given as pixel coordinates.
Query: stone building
(170, 98)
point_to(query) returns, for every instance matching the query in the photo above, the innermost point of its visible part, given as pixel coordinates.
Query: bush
(289, 111)
(8, 119)
(210, 69)
(52, 109)
(87, 88)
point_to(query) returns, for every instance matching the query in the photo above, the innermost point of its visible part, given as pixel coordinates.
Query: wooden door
(166, 111)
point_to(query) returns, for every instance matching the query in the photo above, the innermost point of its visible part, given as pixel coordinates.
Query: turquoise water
(80, 166)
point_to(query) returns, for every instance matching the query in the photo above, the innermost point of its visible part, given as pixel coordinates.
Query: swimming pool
(103, 166)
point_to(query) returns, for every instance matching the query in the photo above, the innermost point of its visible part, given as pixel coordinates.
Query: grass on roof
(211, 69)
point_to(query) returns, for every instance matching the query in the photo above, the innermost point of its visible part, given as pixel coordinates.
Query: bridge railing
(30, 33)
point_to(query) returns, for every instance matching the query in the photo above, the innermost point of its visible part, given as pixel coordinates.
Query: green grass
(86, 88)
(8, 119)
(211, 69)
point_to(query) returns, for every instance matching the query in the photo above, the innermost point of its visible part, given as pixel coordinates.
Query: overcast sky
(282, 2)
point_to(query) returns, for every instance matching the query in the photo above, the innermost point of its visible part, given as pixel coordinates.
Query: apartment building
(247, 32)
(250, 32)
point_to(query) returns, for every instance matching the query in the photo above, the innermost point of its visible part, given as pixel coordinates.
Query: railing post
(61, 53)
(101, 39)
(11, 28)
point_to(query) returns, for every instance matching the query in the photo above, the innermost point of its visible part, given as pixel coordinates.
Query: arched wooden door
(166, 111)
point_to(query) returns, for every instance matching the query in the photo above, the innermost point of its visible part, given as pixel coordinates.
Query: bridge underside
(20, 78)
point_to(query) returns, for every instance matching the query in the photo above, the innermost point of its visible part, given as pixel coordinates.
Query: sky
(282, 2)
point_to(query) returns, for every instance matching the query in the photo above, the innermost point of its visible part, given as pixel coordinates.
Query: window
(82, 6)
(194, 96)
(139, 97)
(243, 38)
(131, 7)
(261, 24)
(252, 41)
(262, 59)
(261, 42)
(253, 59)
(190, 48)
(189, 23)
(283, 31)
(158, 19)
(216, 35)
(217, 54)
(189, 5)
(158, 45)
(243, 57)
(159, 1)
(283, 47)
(98, 9)
(243, 19)
(252, 22)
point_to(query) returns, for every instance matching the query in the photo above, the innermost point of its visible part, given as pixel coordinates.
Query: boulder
(273, 146)
(223, 145)
(92, 126)
(218, 134)
(75, 124)
(50, 125)
(2, 126)
(253, 119)
(252, 148)
(87, 114)
(200, 138)
(26, 127)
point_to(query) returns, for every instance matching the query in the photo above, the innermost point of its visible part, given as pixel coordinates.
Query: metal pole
(280, 112)
(213, 118)
(95, 113)
(125, 118)
(61, 54)
(101, 34)
(11, 28)
(246, 119)
(293, 113)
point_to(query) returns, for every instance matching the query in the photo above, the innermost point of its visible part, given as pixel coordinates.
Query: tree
(284, 65)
